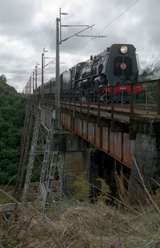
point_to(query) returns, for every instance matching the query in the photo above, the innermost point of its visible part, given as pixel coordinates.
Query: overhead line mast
(59, 41)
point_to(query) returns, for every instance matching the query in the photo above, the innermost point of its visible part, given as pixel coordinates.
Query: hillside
(11, 122)
(5, 89)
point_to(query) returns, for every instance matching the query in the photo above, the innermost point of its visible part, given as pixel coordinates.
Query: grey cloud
(17, 12)
(139, 25)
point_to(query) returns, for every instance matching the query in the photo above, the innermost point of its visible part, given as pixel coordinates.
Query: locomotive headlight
(124, 49)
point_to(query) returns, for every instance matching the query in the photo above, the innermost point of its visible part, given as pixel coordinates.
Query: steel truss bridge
(124, 131)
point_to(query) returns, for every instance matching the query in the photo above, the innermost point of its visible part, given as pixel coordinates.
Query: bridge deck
(119, 112)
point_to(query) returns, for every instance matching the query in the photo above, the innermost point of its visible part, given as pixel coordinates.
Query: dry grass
(88, 226)
(76, 224)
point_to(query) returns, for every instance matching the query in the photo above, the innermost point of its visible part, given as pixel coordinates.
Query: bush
(81, 189)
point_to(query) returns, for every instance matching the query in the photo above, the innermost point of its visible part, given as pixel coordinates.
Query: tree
(3, 79)
(11, 122)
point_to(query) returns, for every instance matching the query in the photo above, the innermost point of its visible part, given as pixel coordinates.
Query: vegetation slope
(11, 122)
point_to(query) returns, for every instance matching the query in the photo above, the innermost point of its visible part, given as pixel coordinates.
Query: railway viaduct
(95, 140)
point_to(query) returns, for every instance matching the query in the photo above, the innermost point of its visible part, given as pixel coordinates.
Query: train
(109, 76)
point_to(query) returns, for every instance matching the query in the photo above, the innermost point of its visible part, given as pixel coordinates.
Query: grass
(4, 198)
(6, 195)
(75, 223)
(82, 225)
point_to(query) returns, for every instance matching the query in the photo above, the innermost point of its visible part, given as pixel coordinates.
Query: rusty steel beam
(114, 143)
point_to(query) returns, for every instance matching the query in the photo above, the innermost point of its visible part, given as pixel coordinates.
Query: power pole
(30, 84)
(36, 76)
(42, 73)
(58, 86)
(59, 41)
(33, 79)
(42, 69)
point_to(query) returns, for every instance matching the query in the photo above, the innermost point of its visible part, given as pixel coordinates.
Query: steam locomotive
(108, 76)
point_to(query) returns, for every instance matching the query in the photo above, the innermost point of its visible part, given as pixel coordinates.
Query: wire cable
(120, 15)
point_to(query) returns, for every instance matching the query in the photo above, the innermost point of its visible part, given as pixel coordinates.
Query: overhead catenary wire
(49, 63)
(120, 15)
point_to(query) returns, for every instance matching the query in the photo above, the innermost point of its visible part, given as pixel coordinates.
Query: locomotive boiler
(104, 77)
(109, 76)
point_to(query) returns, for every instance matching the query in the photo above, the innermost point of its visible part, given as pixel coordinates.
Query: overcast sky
(27, 26)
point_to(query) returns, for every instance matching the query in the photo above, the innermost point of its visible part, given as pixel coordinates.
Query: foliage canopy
(11, 122)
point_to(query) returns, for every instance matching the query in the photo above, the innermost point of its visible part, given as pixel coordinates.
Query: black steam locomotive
(108, 76)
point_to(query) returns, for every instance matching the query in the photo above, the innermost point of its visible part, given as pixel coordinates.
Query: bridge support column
(76, 167)
(146, 159)
(76, 154)
(32, 155)
(66, 158)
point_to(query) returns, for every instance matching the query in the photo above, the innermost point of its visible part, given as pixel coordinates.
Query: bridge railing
(140, 98)
(148, 99)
